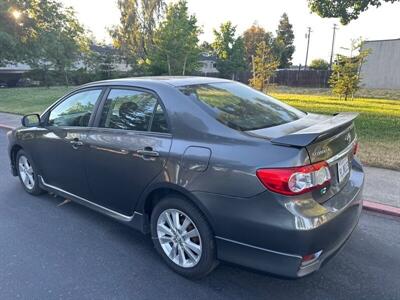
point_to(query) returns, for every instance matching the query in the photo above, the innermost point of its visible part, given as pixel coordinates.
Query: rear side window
(75, 110)
(240, 107)
(159, 123)
(132, 110)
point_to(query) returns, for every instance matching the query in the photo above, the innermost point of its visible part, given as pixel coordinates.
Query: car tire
(27, 173)
(187, 262)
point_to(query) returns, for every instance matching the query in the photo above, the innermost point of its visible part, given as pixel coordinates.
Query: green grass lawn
(378, 125)
(30, 100)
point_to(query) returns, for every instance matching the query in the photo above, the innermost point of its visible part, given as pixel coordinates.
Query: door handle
(76, 143)
(148, 152)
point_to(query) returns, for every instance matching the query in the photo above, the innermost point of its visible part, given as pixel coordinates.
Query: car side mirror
(31, 120)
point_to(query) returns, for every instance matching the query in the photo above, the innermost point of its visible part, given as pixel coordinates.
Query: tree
(206, 47)
(319, 64)
(283, 44)
(264, 66)
(59, 41)
(135, 35)
(230, 51)
(252, 37)
(44, 34)
(176, 49)
(346, 10)
(18, 24)
(345, 79)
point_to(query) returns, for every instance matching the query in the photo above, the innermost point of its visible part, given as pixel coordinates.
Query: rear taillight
(296, 180)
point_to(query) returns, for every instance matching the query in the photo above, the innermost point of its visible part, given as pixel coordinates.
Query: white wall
(381, 69)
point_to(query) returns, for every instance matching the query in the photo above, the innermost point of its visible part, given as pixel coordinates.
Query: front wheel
(182, 236)
(27, 173)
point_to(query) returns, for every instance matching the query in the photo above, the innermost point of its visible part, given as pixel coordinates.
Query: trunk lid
(326, 138)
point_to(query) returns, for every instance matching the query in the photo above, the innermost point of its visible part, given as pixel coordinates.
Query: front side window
(240, 107)
(131, 110)
(76, 110)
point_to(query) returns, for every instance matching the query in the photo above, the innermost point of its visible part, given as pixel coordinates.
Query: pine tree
(284, 40)
(345, 79)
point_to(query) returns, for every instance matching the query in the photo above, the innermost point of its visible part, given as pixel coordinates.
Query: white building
(208, 63)
(381, 69)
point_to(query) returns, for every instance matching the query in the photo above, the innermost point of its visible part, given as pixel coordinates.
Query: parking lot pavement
(72, 252)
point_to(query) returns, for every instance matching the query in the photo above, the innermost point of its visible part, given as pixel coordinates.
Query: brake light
(296, 180)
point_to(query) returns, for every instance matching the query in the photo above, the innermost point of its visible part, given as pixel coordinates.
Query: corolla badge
(319, 152)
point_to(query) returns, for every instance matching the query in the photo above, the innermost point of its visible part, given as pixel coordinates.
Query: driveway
(69, 251)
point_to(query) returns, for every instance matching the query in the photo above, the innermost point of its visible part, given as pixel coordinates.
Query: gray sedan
(212, 169)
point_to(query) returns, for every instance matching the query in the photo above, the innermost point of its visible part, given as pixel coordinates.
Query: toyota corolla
(212, 169)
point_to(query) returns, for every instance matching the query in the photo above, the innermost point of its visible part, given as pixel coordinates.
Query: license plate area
(343, 168)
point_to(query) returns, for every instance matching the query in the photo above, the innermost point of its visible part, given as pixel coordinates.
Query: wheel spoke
(26, 180)
(190, 254)
(164, 229)
(172, 253)
(169, 220)
(29, 170)
(189, 234)
(192, 246)
(181, 256)
(25, 162)
(165, 239)
(175, 217)
(185, 224)
(31, 181)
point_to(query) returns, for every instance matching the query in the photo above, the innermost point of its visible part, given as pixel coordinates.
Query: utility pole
(308, 45)
(333, 45)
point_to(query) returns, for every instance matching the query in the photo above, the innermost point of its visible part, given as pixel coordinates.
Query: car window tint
(128, 110)
(76, 110)
(159, 121)
(241, 107)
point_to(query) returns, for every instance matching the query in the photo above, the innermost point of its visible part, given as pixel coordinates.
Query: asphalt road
(71, 252)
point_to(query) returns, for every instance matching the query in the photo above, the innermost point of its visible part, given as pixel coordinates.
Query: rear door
(128, 148)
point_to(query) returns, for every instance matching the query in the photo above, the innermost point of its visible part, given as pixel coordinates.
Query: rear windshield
(240, 107)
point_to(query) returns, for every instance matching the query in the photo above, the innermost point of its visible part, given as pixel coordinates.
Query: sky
(374, 24)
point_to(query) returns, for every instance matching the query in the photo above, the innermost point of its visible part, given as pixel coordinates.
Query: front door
(63, 142)
(128, 149)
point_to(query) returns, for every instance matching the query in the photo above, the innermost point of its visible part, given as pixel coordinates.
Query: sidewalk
(381, 186)
(10, 120)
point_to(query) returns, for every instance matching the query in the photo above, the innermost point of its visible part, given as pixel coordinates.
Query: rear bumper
(272, 233)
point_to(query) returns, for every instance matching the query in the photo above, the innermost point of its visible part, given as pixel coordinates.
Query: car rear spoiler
(310, 134)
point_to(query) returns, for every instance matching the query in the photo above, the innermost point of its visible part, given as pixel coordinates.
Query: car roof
(176, 81)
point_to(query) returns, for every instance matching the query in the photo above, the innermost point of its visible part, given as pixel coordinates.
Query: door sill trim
(87, 203)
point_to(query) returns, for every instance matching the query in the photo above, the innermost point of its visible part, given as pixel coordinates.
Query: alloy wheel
(179, 238)
(26, 172)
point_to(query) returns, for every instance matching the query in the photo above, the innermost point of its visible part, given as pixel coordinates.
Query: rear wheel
(27, 173)
(183, 237)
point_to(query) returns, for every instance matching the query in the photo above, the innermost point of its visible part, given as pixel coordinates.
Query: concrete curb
(381, 208)
(6, 127)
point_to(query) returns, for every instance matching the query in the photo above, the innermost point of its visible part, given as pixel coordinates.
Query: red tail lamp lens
(296, 180)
